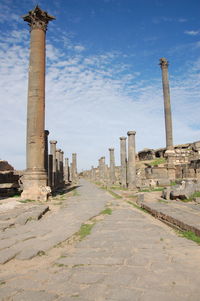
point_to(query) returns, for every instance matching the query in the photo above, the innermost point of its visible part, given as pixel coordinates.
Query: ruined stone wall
(9, 180)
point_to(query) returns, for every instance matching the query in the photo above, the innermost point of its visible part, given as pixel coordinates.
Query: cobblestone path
(127, 256)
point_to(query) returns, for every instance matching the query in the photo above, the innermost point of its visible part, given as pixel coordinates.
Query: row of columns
(109, 176)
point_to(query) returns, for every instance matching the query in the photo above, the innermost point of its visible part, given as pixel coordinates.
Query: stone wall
(9, 180)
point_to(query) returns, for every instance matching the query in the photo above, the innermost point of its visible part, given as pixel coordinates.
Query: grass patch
(138, 207)
(2, 282)
(16, 195)
(107, 211)
(118, 188)
(26, 201)
(115, 195)
(85, 230)
(75, 192)
(158, 161)
(162, 201)
(41, 253)
(190, 235)
(97, 183)
(151, 189)
(173, 183)
(132, 196)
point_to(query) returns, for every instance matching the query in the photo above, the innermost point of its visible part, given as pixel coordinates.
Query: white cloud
(91, 100)
(192, 32)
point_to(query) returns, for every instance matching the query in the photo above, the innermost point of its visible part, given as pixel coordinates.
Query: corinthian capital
(38, 19)
(164, 63)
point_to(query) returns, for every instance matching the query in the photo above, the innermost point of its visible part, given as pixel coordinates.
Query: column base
(35, 186)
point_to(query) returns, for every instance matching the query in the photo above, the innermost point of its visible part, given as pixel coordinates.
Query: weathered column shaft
(167, 107)
(61, 168)
(123, 173)
(46, 153)
(131, 166)
(53, 153)
(112, 166)
(74, 168)
(66, 170)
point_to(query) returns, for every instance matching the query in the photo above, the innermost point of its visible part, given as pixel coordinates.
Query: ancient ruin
(35, 178)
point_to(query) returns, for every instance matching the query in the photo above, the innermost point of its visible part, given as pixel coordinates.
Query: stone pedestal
(35, 178)
(131, 166)
(123, 171)
(171, 169)
(112, 177)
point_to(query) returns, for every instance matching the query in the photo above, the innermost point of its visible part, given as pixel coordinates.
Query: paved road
(128, 256)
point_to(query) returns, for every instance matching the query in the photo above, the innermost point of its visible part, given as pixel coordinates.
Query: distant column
(46, 151)
(62, 168)
(53, 153)
(58, 167)
(112, 166)
(74, 168)
(123, 173)
(35, 178)
(167, 106)
(66, 170)
(131, 166)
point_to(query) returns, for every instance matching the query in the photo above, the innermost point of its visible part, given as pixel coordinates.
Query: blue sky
(102, 75)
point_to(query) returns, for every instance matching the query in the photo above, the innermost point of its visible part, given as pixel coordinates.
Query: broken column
(131, 166)
(169, 154)
(123, 171)
(58, 168)
(53, 153)
(112, 166)
(35, 178)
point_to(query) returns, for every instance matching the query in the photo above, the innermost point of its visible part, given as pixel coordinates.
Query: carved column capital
(38, 19)
(164, 63)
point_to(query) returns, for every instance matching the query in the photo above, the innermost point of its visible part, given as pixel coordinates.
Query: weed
(26, 201)
(60, 265)
(161, 239)
(41, 253)
(190, 235)
(2, 282)
(118, 188)
(173, 183)
(78, 265)
(107, 211)
(132, 196)
(85, 230)
(151, 189)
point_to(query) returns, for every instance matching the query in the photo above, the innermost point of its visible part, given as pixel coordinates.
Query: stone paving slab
(27, 240)
(181, 215)
(129, 256)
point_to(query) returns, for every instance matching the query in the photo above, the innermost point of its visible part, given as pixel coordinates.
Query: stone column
(131, 166)
(167, 107)
(46, 152)
(62, 168)
(123, 173)
(112, 166)
(74, 168)
(53, 153)
(50, 171)
(58, 167)
(35, 178)
(66, 170)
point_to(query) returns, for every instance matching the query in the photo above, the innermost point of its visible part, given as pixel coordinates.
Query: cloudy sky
(102, 74)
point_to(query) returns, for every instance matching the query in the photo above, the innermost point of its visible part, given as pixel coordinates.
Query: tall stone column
(167, 106)
(112, 166)
(123, 172)
(131, 166)
(53, 153)
(35, 178)
(66, 170)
